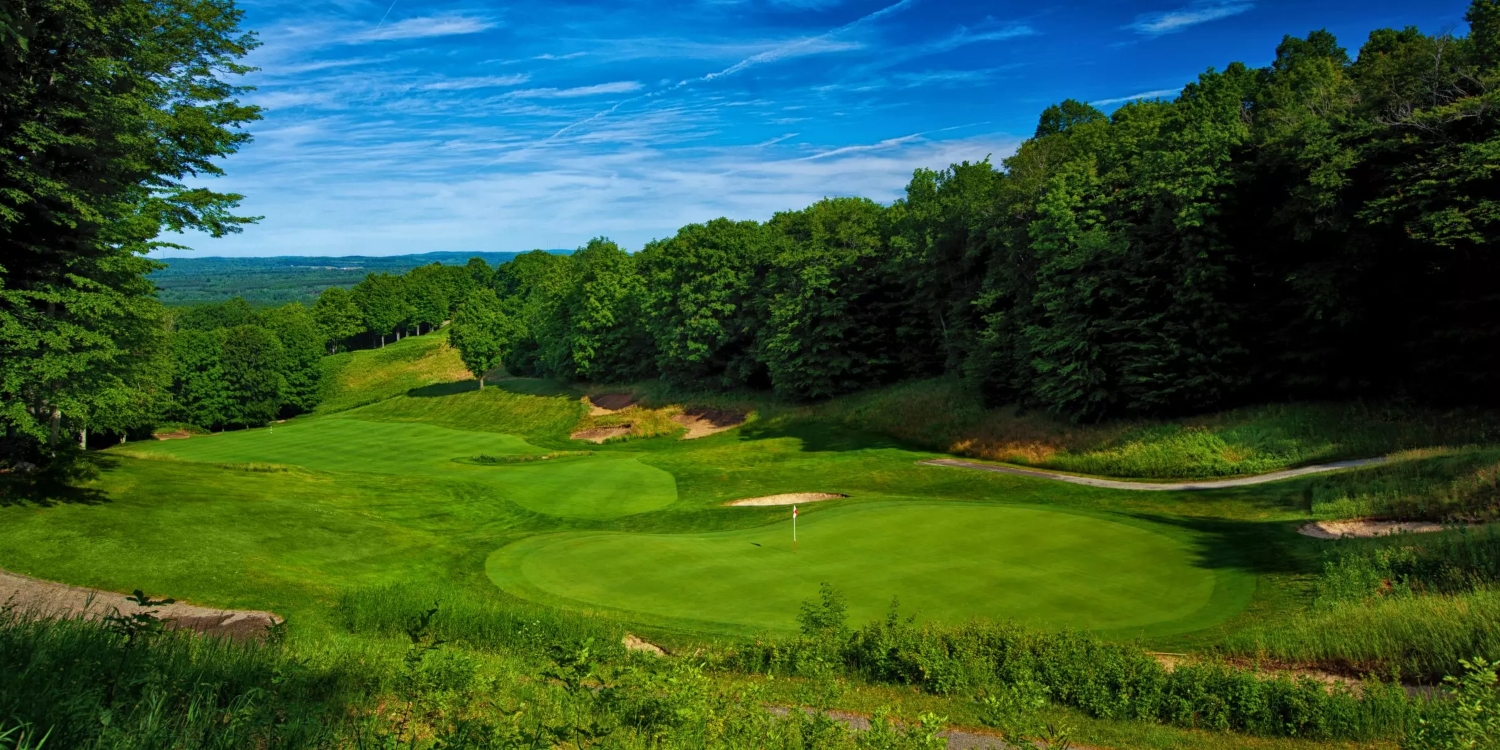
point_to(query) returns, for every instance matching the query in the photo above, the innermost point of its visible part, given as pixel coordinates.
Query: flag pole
(794, 528)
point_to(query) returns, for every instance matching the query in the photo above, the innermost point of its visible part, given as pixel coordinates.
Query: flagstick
(794, 529)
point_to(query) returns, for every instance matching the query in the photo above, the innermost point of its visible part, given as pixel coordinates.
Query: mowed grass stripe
(946, 562)
(602, 487)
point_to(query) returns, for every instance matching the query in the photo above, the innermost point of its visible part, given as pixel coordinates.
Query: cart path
(1117, 484)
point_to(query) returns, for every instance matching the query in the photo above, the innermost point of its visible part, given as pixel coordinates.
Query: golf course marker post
(794, 529)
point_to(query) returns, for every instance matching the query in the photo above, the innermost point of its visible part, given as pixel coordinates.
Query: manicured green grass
(944, 561)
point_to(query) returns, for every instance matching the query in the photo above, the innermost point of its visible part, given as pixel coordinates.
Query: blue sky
(424, 126)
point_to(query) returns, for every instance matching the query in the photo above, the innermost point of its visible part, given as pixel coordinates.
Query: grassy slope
(941, 415)
(357, 378)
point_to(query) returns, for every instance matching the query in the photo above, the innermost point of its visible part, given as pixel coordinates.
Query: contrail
(387, 15)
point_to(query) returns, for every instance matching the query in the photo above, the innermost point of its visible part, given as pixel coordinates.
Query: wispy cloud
(478, 82)
(614, 87)
(425, 27)
(1172, 21)
(1157, 94)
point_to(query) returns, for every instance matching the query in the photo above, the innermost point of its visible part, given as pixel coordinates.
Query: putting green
(594, 487)
(944, 561)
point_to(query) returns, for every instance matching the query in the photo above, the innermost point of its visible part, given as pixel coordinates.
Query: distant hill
(287, 278)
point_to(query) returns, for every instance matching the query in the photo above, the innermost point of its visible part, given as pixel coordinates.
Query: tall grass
(1459, 484)
(471, 620)
(1104, 680)
(943, 415)
(1418, 637)
(78, 684)
(81, 685)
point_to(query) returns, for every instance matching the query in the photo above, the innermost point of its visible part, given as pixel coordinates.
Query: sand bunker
(174, 435)
(40, 598)
(601, 434)
(793, 498)
(608, 403)
(705, 422)
(1367, 528)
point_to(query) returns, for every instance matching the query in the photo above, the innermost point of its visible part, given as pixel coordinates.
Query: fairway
(594, 487)
(946, 562)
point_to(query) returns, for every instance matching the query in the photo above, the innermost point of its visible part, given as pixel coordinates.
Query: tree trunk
(481, 381)
(83, 438)
(382, 341)
(56, 425)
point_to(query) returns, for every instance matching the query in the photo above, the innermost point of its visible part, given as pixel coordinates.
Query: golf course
(638, 529)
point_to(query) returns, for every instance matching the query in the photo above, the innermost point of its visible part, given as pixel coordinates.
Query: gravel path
(1116, 484)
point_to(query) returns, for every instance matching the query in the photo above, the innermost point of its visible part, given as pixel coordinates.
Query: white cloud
(425, 27)
(479, 82)
(615, 87)
(1168, 22)
(1157, 94)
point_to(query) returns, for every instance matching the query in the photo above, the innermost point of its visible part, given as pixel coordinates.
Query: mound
(705, 422)
(791, 498)
(47, 599)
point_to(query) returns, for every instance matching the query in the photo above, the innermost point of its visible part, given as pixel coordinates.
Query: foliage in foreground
(1009, 666)
(83, 684)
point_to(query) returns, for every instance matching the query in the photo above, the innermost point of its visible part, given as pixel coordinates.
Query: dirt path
(34, 596)
(1117, 484)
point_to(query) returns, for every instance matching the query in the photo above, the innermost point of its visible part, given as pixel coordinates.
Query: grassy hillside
(942, 415)
(357, 378)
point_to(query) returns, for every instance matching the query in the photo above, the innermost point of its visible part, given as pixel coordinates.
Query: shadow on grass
(818, 438)
(58, 484)
(1260, 547)
(519, 386)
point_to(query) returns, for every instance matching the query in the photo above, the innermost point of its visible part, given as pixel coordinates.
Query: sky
(409, 127)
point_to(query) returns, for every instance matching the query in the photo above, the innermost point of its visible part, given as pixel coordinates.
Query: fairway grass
(945, 562)
(602, 487)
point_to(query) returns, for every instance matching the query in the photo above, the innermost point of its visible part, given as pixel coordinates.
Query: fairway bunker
(609, 403)
(1367, 528)
(701, 423)
(792, 498)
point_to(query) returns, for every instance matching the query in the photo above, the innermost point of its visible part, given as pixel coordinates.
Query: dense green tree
(105, 110)
(427, 293)
(199, 394)
(835, 305)
(705, 305)
(600, 322)
(302, 354)
(532, 285)
(213, 316)
(483, 330)
(252, 362)
(381, 299)
(338, 318)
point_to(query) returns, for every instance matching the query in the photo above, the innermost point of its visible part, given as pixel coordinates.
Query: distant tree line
(1324, 227)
